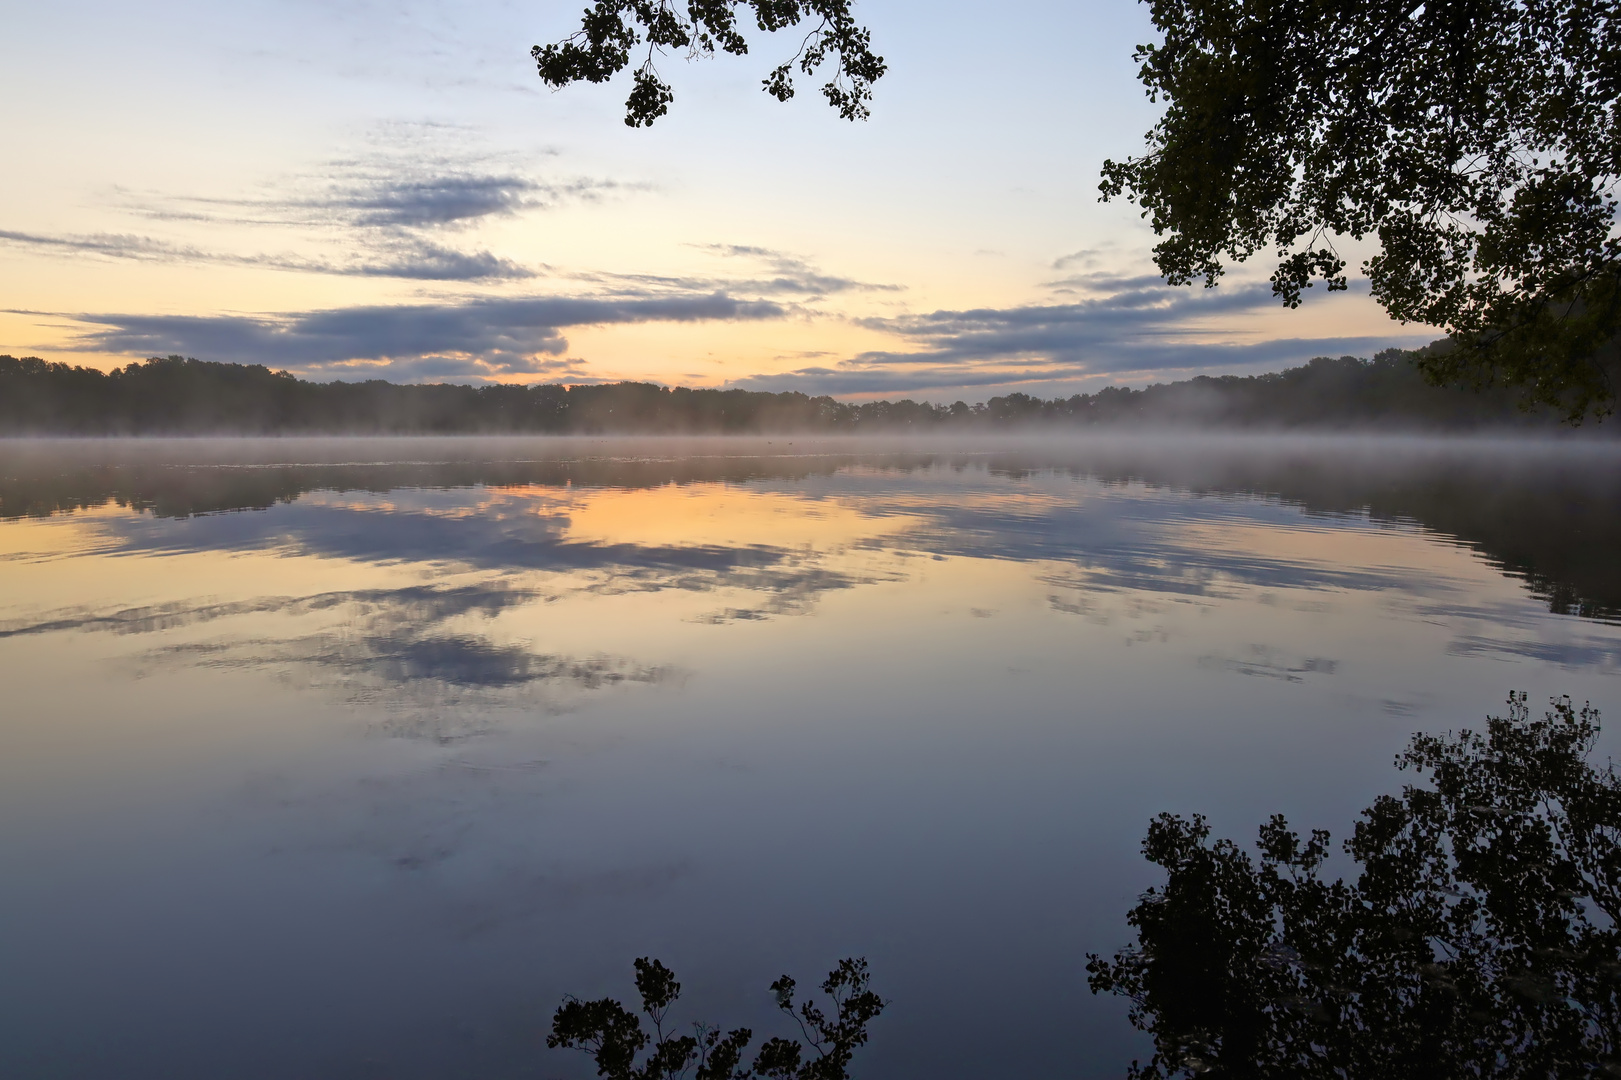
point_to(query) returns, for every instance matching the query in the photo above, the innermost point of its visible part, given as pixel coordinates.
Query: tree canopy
(174, 395)
(1478, 141)
(613, 33)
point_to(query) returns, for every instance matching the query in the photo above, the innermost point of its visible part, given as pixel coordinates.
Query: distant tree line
(178, 395)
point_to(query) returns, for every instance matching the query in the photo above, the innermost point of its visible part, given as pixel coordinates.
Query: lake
(351, 758)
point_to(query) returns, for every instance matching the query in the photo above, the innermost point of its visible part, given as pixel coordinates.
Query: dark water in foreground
(350, 758)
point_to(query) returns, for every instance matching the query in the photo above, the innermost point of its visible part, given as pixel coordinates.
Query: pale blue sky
(382, 189)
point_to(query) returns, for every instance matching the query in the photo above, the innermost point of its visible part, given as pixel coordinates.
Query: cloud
(784, 274)
(117, 245)
(434, 200)
(1085, 257)
(493, 334)
(384, 195)
(401, 256)
(1139, 310)
(451, 369)
(1090, 258)
(1130, 326)
(445, 200)
(406, 175)
(383, 213)
(789, 273)
(412, 257)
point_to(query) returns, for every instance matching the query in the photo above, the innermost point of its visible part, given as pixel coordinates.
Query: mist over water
(351, 757)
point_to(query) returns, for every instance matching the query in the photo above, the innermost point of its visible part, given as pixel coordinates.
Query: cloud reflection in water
(647, 699)
(1108, 527)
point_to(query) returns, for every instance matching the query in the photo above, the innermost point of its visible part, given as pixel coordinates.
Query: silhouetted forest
(174, 395)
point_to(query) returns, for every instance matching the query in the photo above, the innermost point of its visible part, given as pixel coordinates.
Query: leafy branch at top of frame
(613, 32)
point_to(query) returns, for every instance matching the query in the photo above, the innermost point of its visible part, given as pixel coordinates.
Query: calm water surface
(349, 758)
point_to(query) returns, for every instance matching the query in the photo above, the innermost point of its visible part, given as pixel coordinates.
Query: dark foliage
(613, 31)
(1554, 524)
(174, 395)
(614, 1037)
(1479, 940)
(1388, 391)
(1478, 140)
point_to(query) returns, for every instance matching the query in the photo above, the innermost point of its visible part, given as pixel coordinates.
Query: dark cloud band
(399, 256)
(502, 334)
(1128, 326)
(388, 195)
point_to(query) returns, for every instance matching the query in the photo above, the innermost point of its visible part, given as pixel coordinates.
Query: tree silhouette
(614, 1037)
(1477, 140)
(174, 395)
(612, 30)
(1479, 940)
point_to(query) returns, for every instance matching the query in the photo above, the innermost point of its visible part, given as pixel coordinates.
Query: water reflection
(391, 744)
(428, 648)
(1481, 936)
(397, 610)
(1545, 513)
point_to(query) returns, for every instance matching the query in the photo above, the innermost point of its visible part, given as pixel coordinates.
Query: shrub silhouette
(1480, 938)
(615, 1038)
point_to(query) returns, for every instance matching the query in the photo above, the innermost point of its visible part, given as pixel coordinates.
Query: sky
(351, 189)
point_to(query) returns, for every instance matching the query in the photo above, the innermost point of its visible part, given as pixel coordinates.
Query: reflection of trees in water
(1549, 517)
(614, 1038)
(1480, 938)
(37, 486)
(1551, 520)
